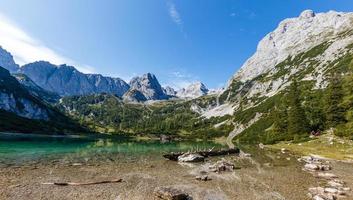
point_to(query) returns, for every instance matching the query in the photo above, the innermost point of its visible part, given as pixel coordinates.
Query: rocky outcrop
(67, 81)
(193, 91)
(149, 86)
(7, 61)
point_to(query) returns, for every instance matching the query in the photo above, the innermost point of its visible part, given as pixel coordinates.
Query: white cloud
(175, 16)
(26, 49)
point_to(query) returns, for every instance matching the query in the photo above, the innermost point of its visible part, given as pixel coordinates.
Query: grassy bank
(328, 146)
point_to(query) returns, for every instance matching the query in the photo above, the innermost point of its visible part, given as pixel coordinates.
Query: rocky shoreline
(333, 187)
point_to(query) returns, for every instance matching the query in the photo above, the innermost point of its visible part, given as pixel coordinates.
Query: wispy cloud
(175, 16)
(26, 49)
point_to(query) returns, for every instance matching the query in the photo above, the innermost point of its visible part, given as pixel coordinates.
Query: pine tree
(348, 100)
(334, 112)
(279, 116)
(297, 122)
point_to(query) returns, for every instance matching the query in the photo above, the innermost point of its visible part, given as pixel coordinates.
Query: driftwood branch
(85, 183)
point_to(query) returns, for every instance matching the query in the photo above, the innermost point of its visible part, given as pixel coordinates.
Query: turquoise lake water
(20, 148)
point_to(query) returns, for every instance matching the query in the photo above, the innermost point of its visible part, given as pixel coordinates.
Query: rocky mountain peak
(7, 61)
(149, 86)
(307, 14)
(194, 90)
(293, 36)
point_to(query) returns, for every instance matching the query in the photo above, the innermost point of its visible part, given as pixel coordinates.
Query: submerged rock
(221, 166)
(169, 193)
(191, 157)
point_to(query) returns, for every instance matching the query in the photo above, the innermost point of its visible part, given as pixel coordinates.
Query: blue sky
(180, 41)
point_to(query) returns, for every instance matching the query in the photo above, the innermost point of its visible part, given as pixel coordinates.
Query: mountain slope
(15, 98)
(66, 80)
(35, 90)
(20, 111)
(311, 49)
(107, 113)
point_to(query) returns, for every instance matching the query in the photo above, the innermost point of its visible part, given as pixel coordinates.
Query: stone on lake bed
(311, 167)
(331, 190)
(317, 197)
(191, 157)
(202, 178)
(335, 183)
(317, 167)
(170, 193)
(222, 165)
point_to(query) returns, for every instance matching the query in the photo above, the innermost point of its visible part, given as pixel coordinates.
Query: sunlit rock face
(193, 91)
(293, 36)
(149, 87)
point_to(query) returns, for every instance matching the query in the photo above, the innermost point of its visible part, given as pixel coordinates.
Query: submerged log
(174, 156)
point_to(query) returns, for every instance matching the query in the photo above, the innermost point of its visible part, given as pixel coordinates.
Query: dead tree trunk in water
(174, 156)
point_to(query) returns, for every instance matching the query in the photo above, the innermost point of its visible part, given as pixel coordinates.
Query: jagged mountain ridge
(66, 80)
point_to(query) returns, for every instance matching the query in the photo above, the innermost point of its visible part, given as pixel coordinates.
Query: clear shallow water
(20, 148)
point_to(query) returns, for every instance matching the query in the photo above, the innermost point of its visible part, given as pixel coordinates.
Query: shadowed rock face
(7, 62)
(16, 99)
(35, 90)
(66, 80)
(149, 86)
(134, 96)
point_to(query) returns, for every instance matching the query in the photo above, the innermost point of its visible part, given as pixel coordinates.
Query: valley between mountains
(287, 114)
(297, 81)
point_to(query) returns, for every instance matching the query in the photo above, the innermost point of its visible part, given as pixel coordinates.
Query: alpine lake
(28, 161)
